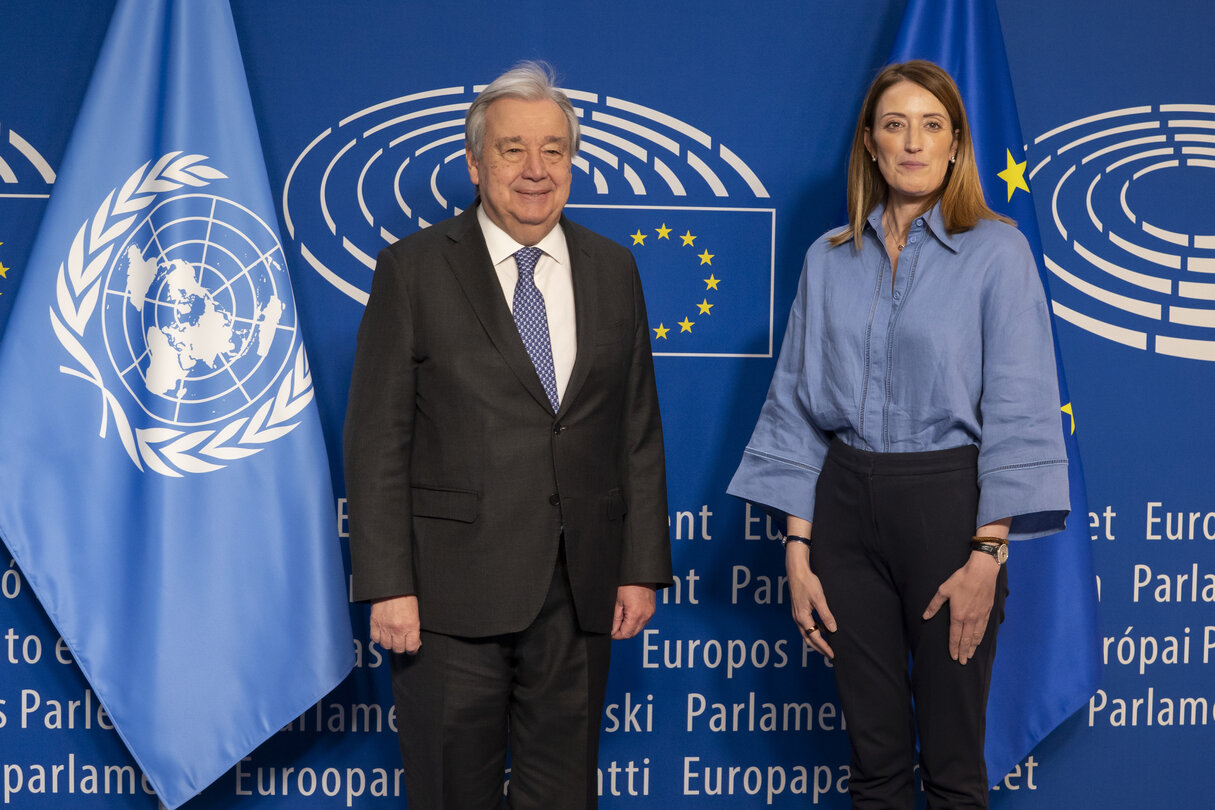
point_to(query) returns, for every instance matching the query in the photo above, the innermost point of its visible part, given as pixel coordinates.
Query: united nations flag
(1047, 659)
(165, 487)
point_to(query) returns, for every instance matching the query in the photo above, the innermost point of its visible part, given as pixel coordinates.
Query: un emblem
(197, 325)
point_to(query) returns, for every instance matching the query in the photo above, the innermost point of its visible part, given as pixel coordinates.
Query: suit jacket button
(557, 430)
(554, 499)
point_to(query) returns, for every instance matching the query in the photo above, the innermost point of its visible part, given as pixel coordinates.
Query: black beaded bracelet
(793, 538)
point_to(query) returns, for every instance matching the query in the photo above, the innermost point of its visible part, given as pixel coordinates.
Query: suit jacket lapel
(469, 261)
(585, 279)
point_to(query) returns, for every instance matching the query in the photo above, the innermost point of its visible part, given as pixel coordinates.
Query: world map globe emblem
(199, 322)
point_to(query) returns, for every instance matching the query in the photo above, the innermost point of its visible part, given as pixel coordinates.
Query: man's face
(523, 171)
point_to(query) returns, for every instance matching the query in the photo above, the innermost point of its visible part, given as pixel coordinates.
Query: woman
(913, 422)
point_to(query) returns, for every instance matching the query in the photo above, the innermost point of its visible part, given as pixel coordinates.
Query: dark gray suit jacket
(460, 478)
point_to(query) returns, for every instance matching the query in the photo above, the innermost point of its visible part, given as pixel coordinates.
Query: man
(505, 472)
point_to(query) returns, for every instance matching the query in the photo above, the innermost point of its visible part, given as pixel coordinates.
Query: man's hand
(395, 625)
(634, 607)
(970, 591)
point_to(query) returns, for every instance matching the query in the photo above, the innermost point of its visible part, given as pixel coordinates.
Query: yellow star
(661, 332)
(685, 325)
(1014, 175)
(688, 238)
(1067, 409)
(711, 282)
(639, 237)
(4, 270)
(705, 306)
(706, 257)
(663, 231)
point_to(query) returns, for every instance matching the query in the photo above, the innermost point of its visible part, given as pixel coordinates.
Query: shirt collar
(501, 246)
(934, 223)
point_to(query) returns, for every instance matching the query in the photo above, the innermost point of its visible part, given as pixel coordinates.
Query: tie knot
(525, 260)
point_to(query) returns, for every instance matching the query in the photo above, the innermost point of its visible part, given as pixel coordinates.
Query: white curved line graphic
(332, 277)
(1122, 302)
(1105, 133)
(400, 119)
(400, 139)
(291, 174)
(637, 129)
(1088, 203)
(744, 171)
(665, 173)
(1125, 145)
(443, 91)
(1118, 334)
(325, 182)
(614, 140)
(1161, 258)
(719, 189)
(1054, 200)
(661, 118)
(33, 156)
(634, 181)
(1160, 285)
(396, 188)
(358, 190)
(1079, 122)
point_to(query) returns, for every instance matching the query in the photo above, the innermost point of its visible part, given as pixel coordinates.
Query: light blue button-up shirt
(955, 349)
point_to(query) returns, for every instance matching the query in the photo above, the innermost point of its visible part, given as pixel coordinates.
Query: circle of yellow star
(706, 257)
(704, 307)
(639, 237)
(685, 325)
(688, 238)
(711, 282)
(1014, 175)
(661, 332)
(663, 231)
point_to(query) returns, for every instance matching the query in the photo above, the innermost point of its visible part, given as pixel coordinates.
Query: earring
(953, 158)
(873, 158)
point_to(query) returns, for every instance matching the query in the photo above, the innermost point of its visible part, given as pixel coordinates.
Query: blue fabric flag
(164, 485)
(1047, 662)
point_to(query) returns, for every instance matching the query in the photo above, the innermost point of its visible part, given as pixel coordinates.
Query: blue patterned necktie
(532, 321)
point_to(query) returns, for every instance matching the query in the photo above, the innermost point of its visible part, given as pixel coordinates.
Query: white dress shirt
(554, 279)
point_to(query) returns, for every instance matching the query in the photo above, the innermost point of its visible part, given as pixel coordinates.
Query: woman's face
(913, 140)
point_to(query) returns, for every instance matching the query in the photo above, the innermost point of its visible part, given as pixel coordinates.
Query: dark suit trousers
(889, 528)
(462, 702)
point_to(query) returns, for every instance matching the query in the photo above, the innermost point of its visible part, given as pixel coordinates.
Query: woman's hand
(806, 595)
(970, 591)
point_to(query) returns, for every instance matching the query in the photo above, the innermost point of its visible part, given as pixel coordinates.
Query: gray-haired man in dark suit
(505, 472)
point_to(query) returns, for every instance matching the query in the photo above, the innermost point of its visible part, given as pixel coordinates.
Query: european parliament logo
(1132, 252)
(687, 206)
(175, 304)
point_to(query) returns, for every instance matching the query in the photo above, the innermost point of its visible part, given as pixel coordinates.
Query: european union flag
(1047, 662)
(707, 274)
(164, 485)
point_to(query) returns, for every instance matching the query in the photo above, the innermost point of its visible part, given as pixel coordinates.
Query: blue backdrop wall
(718, 703)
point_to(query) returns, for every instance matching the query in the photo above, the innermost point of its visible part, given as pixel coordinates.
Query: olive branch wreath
(167, 451)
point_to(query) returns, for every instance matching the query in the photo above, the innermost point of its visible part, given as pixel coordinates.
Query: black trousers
(463, 702)
(889, 528)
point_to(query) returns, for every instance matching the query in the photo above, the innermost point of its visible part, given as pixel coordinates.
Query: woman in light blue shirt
(912, 423)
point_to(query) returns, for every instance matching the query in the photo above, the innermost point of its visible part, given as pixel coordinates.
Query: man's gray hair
(531, 81)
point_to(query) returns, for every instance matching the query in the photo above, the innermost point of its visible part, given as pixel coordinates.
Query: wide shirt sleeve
(953, 349)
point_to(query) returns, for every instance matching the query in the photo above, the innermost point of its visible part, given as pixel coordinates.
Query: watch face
(1002, 553)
